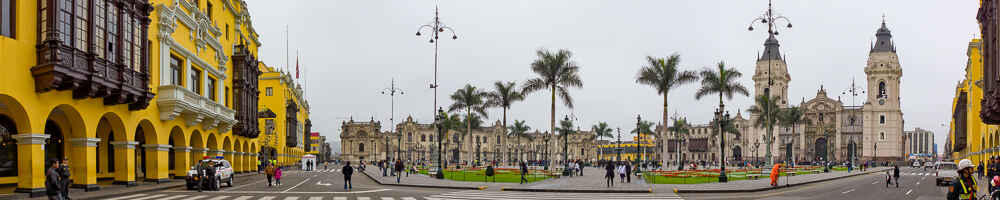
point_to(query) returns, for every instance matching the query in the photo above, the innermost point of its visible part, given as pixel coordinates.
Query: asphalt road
(329, 185)
(914, 184)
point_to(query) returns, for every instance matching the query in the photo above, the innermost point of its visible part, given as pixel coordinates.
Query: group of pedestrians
(622, 169)
(273, 172)
(992, 169)
(892, 176)
(57, 180)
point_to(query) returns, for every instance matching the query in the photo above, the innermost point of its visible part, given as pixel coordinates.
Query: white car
(223, 174)
(946, 172)
(916, 164)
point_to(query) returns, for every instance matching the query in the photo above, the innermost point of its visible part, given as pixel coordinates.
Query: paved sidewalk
(761, 184)
(592, 181)
(420, 180)
(119, 190)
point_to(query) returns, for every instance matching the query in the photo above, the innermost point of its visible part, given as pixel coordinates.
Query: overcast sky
(350, 50)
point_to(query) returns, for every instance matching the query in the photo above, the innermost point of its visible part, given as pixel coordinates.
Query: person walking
(965, 188)
(628, 172)
(269, 172)
(53, 187)
(259, 166)
(277, 176)
(399, 170)
(347, 171)
(524, 171)
(775, 173)
(609, 173)
(580, 163)
(213, 183)
(621, 172)
(979, 169)
(64, 178)
(895, 175)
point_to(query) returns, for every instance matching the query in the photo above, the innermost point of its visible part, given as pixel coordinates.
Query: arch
(881, 89)
(175, 139)
(15, 111)
(212, 143)
(196, 142)
(145, 133)
(62, 123)
(227, 144)
(238, 158)
(821, 149)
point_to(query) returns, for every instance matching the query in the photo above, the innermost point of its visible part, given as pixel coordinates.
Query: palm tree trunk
(552, 123)
(468, 128)
(663, 132)
(505, 132)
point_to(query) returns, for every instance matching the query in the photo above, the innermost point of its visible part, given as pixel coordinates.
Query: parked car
(946, 172)
(929, 165)
(223, 174)
(917, 164)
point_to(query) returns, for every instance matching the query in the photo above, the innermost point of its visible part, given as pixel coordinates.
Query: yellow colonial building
(970, 138)
(284, 118)
(645, 149)
(128, 91)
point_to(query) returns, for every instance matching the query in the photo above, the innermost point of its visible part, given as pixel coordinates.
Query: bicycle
(995, 195)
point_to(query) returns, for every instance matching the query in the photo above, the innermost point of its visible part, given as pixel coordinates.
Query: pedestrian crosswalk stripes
(460, 195)
(918, 174)
(480, 194)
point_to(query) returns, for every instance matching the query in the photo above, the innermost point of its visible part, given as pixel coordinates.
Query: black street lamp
(638, 138)
(771, 19)
(392, 91)
(439, 123)
(436, 27)
(722, 119)
(565, 160)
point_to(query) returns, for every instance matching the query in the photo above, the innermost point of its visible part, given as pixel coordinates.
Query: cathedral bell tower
(883, 126)
(771, 74)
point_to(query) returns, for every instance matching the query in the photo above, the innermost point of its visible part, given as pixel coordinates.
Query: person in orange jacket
(774, 174)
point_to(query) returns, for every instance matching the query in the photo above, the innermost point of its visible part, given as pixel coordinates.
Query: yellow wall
(90, 118)
(283, 89)
(979, 136)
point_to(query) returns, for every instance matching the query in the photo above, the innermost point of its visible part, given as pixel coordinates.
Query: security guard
(965, 187)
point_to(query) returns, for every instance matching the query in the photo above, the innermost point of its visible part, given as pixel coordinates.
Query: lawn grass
(702, 176)
(501, 176)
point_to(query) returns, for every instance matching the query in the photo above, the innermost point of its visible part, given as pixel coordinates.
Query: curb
(425, 186)
(180, 184)
(576, 191)
(778, 187)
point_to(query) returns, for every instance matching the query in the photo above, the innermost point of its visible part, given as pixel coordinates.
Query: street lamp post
(722, 120)
(436, 27)
(756, 146)
(392, 91)
(439, 123)
(769, 18)
(638, 138)
(565, 160)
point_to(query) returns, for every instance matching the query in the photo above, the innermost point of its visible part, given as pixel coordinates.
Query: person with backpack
(347, 171)
(269, 171)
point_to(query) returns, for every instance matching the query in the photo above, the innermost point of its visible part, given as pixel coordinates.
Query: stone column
(83, 163)
(182, 160)
(124, 162)
(31, 164)
(157, 169)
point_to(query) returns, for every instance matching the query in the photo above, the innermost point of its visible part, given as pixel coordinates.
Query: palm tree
(792, 116)
(454, 123)
(722, 81)
(601, 130)
(468, 99)
(680, 128)
(503, 96)
(519, 129)
(565, 129)
(766, 109)
(663, 75)
(557, 73)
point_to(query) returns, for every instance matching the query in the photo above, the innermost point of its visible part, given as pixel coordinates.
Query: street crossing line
(149, 197)
(908, 192)
(128, 197)
(315, 198)
(387, 198)
(291, 198)
(364, 198)
(408, 198)
(339, 198)
(219, 198)
(845, 192)
(243, 198)
(175, 197)
(196, 197)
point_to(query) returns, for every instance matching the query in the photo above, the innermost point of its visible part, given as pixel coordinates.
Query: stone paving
(762, 183)
(592, 181)
(421, 180)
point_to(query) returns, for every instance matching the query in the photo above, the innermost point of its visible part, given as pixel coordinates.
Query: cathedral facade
(831, 131)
